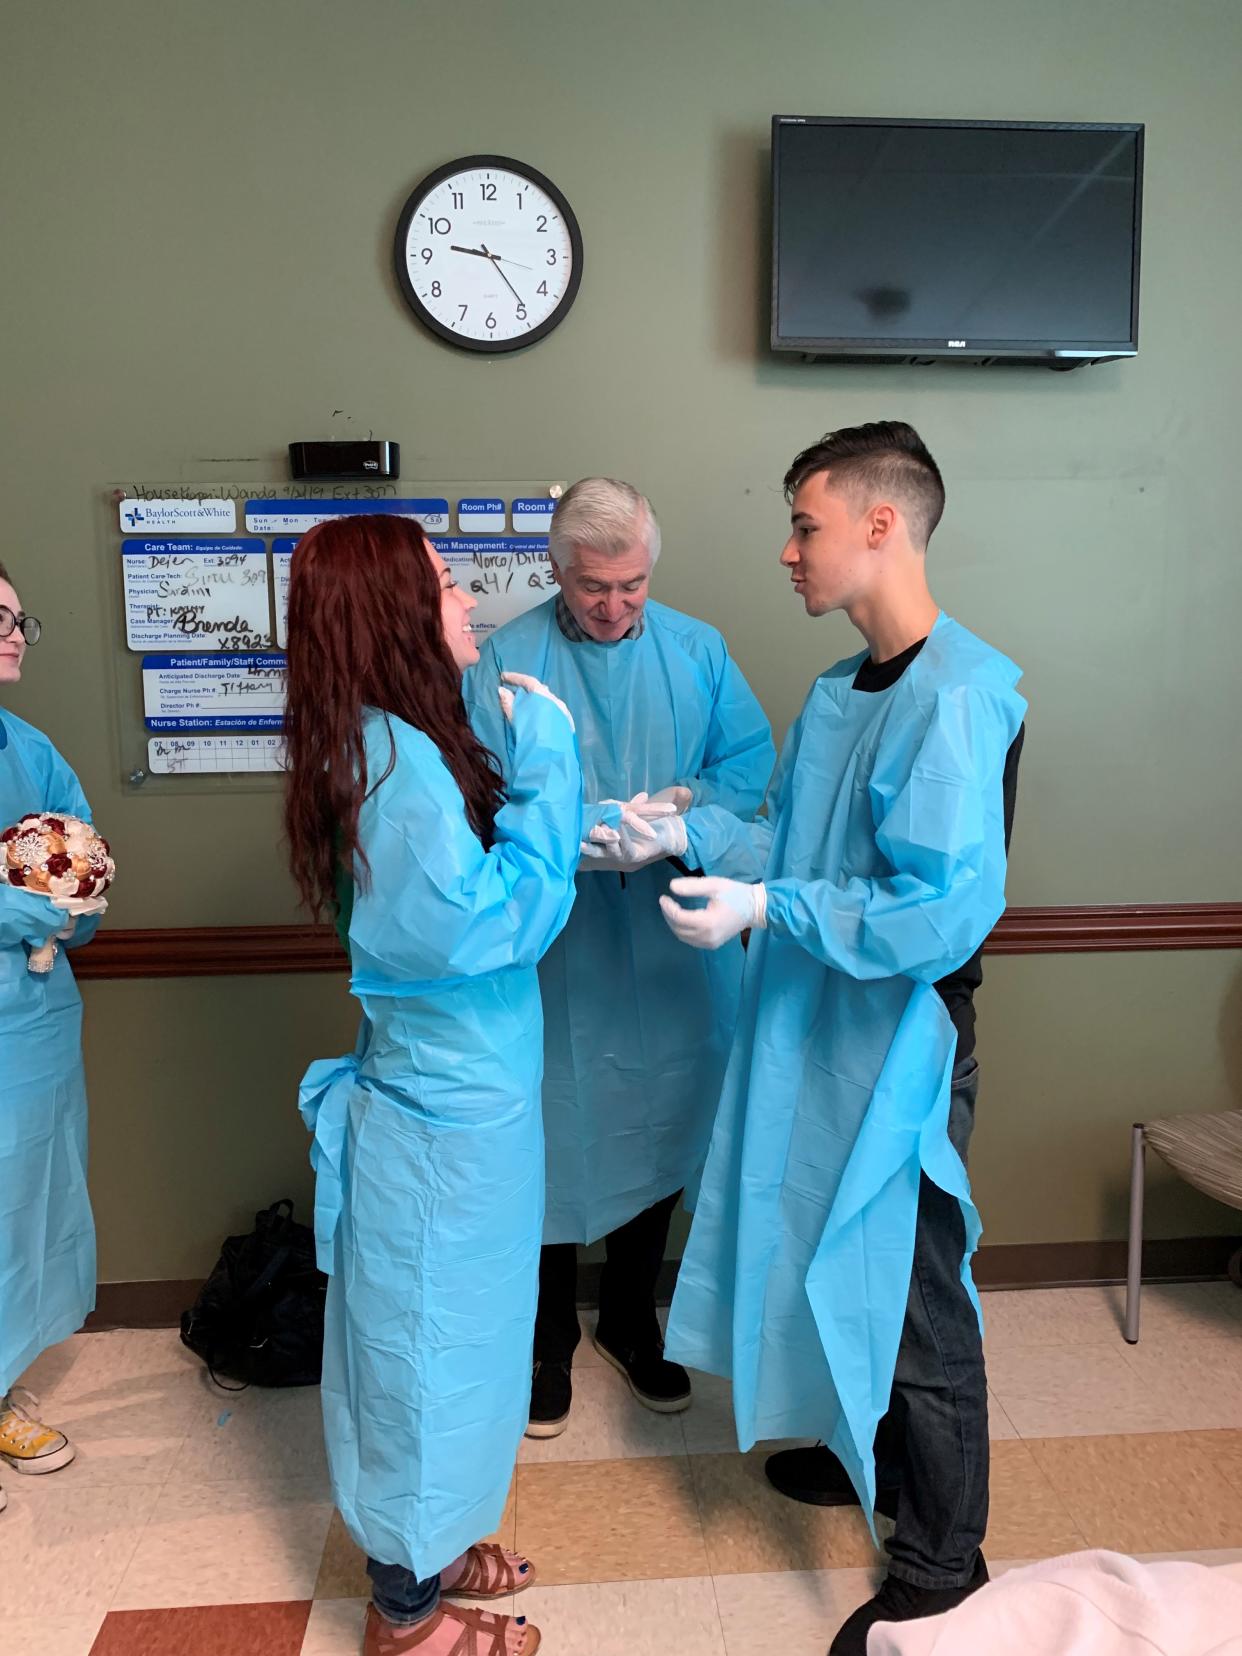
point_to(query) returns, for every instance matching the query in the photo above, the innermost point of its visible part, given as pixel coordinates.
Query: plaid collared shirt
(575, 634)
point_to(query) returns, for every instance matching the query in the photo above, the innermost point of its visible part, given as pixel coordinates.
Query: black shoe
(816, 1478)
(551, 1393)
(898, 1601)
(655, 1382)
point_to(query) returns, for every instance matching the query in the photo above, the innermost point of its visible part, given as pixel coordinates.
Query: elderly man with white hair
(636, 1030)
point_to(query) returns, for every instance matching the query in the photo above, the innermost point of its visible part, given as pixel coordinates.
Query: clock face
(488, 253)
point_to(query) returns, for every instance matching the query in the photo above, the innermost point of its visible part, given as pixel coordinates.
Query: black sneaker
(655, 1382)
(551, 1393)
(816, 1477)
(898, 1601)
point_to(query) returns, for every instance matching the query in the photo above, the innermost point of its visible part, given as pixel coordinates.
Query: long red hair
(365, 631)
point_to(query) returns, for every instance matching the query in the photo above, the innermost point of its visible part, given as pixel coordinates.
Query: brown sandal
(482, 1633)
(489, 1574)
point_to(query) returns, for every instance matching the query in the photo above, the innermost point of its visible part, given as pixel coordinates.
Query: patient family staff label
(214, 692)
(184, 594)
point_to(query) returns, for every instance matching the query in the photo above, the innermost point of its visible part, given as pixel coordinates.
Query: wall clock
(488, 253)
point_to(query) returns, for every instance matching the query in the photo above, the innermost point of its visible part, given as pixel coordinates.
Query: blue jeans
(932, 1444)
(399, 1595)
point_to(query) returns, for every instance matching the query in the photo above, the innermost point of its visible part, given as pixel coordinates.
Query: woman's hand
(524, 681)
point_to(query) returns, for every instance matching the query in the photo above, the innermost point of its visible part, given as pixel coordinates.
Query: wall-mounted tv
(990, 241)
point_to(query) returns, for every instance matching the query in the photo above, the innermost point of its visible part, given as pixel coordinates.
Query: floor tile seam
(604, 1460)
(121, 1574)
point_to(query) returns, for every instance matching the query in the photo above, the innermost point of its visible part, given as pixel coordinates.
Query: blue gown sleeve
(943, 832)
(488, 723)
(735, 848)
(738, 755)
(437, 905)
(27, 917)
(42, 919)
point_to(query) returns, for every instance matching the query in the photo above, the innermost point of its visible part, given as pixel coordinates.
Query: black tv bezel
(1050, 353)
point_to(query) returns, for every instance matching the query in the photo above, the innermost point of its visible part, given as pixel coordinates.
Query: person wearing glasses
(47, 1234)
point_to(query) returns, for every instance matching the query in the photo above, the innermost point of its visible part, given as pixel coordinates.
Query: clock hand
(495, 258)
(479, 252)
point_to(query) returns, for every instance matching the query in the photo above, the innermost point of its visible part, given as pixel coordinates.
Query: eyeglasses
(30, 628)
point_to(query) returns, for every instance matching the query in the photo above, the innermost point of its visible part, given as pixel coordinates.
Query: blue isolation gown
(884, 862)
(47, 1235)
(428, 1144)
(636, 1027)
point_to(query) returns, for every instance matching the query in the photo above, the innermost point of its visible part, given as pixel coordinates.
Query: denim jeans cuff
(400, 1616)
(932, 1583)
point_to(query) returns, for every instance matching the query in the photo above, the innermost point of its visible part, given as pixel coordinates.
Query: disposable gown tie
(323, 1100)
(884, 862)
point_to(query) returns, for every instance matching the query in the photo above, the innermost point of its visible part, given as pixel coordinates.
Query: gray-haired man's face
(606, 592)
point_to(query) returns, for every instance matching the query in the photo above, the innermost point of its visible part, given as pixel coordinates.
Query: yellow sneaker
(27, 1444)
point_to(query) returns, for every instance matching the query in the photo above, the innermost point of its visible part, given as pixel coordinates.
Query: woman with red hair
(428, 1140)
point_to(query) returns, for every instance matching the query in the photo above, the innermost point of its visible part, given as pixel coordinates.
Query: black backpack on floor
(259, 1317)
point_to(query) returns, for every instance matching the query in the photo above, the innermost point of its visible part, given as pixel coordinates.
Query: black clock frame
(470, 163)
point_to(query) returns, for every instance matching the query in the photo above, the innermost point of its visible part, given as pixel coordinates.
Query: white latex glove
(624, 851)
(636, 815)
(525, 681)
(678, 797)
(731, 908)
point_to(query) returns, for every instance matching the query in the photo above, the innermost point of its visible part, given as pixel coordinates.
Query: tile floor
(195, 1523)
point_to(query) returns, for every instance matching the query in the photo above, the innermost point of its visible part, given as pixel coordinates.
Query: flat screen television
(992, 241)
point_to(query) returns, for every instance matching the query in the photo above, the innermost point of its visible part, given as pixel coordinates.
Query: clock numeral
(489, 321)
(459, 198)
(521, 313)
(488, 191)
(425, 255)
(435, 290)
(462, 309)
(438, 226)
(551, 255)
(541, 223)
(543, 289)
(519, 200)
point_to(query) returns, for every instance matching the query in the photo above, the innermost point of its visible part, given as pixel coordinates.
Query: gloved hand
(634, 814)
(731, 908)
(680, 798)
(627, 849)
(525, 681)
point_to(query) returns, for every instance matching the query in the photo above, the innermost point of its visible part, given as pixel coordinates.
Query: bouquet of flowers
(62, 858)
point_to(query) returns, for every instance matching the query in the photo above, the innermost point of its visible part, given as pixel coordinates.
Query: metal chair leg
(1134, 1270)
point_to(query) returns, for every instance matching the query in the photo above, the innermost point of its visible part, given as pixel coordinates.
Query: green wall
(198, 212)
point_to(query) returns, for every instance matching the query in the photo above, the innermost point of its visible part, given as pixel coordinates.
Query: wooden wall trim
(1004, 1265)
(1117, 927)
(244, 951)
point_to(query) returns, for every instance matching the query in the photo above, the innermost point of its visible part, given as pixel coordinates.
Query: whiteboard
(200, 589)
(505, 574)
(214, 692)
(190, 594)
(214, 755)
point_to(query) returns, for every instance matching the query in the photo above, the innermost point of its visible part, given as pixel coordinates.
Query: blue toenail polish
(523, 1569)
(521, 1621)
